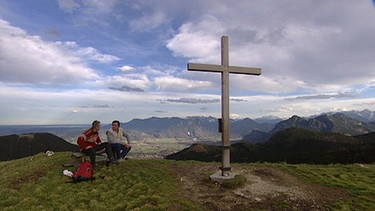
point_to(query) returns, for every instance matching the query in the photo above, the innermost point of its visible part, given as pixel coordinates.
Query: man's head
(96, 125)
(115, 125)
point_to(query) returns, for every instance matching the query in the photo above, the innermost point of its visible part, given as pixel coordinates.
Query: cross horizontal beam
(221, 68)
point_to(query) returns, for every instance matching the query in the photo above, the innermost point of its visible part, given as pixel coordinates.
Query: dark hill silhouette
(296, 145)
(256, 136)
(19, 146)
(292, 145)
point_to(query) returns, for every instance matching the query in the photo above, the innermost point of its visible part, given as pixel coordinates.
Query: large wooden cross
(224, 69)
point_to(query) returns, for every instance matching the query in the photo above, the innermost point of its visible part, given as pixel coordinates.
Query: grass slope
(37, 183)
(358, 180)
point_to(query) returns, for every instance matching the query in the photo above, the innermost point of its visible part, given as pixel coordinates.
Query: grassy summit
(37, 183)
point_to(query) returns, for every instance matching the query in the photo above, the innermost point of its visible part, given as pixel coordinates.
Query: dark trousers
(92, 152)
(120, 150)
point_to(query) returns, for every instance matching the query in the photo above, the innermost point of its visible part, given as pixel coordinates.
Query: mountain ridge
(24, 145)
(337, 123)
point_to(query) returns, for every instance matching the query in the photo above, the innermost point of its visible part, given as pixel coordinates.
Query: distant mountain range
(363, 116)
(255, 131)
(197, 128)
(337, 123)
(206, 128)
(191, 129)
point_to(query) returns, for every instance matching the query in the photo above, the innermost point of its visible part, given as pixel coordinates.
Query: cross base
(219, 178)
(225, 168)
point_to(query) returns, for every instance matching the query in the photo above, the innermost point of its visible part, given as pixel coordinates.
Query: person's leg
(92, 153)
(108, 151)
(125, 150)
(101, 147)
(107, 148)
(116, 149)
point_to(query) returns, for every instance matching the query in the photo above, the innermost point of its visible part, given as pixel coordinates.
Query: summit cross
(224, 69)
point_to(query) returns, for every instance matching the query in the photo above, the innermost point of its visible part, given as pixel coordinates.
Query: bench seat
(79, 157)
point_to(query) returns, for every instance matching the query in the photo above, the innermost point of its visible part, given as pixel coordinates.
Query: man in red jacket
(89, 142)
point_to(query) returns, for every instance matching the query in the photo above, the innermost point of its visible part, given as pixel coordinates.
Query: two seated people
(116, 148)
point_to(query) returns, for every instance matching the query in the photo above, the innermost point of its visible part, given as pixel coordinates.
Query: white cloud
(68, 6)
(29, 59)
(125, 68)
(197, 42)
(88, 7)
(148, 22)
(235, 116)
(169, 83)
(99, 6)
(140, 81)
(192, 100)
(87, 53)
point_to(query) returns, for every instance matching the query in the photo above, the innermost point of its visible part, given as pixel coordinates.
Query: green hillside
(23, 145)
(37, 183)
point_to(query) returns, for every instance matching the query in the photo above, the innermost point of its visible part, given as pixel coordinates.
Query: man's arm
(125, 135)
(98, 141)
(110, 137)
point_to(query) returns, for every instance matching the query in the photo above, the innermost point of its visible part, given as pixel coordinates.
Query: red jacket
(88, 139)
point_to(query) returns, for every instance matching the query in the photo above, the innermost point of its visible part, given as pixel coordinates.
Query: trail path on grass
(266, 188)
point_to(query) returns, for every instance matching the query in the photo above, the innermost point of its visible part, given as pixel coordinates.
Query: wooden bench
(79, 157)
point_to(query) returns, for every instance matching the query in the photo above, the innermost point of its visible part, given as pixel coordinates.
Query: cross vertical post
(224, 124)
(225, 135)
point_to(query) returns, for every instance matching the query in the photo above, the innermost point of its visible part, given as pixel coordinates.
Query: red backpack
(84, 172)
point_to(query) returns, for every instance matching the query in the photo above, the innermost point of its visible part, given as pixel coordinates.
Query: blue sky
(73, 61)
